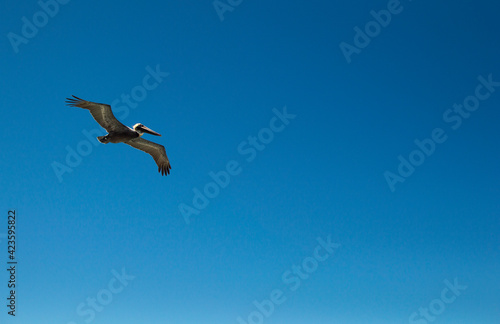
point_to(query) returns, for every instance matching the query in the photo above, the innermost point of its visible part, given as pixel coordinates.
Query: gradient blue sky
(322, 176)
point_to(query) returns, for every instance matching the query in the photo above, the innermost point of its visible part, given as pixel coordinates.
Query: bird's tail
(103, 139)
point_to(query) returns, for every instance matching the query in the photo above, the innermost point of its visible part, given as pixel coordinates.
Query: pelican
(119, 133)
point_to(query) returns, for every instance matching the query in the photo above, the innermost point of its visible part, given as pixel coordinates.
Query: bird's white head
(141, 129)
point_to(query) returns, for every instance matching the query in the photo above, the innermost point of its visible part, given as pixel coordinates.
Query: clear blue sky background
(322, 176)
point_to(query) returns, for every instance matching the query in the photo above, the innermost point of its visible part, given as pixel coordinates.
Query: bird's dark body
(118, 137)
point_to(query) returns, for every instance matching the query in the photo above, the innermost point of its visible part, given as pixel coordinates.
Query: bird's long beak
(149, 131)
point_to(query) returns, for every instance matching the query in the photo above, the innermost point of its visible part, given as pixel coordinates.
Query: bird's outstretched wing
(157, 151)
(101, 112)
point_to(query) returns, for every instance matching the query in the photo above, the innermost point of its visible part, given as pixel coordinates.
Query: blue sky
(333, 214)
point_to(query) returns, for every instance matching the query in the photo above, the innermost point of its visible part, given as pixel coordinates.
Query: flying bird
(119, 133)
